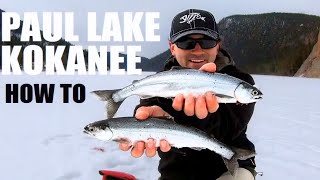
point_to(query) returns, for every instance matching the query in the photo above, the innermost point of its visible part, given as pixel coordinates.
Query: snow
(46, 141)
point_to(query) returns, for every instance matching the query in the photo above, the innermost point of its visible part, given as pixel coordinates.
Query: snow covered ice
(46, 141)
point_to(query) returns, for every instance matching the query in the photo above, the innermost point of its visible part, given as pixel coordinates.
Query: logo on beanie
(191, 17)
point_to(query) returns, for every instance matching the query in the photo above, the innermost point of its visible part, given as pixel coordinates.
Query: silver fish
(170, 83)
(131, 130)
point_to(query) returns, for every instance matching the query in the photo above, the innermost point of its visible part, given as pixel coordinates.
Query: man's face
(196, 57)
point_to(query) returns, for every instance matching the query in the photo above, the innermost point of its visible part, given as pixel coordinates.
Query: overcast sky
(167, 8)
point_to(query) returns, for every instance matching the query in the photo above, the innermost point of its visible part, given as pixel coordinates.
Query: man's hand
(150, 149)
(201, 105)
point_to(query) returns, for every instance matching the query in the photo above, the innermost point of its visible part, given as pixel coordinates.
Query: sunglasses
(189, 44)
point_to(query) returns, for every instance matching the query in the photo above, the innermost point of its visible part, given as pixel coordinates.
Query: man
(195, 43)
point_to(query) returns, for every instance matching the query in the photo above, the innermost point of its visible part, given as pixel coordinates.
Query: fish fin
(111, 106)
(240, 154)
(197, 148)
(243, 154)
(178, 68)
(134, 81)
(145, 97)
(223, 96)
(122, 140)
(231, 164)
(168, 118)
(225, 99)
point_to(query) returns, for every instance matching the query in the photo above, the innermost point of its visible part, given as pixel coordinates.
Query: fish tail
(240, 154)
(104, 95)
(111, 105)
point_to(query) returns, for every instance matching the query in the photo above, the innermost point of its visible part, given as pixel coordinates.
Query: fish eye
(255, 92)
(91, 128)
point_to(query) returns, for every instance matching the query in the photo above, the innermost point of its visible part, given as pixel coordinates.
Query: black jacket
(228, 125)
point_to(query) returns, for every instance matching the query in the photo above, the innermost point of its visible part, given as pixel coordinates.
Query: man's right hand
(199, 106)
(150, 148)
